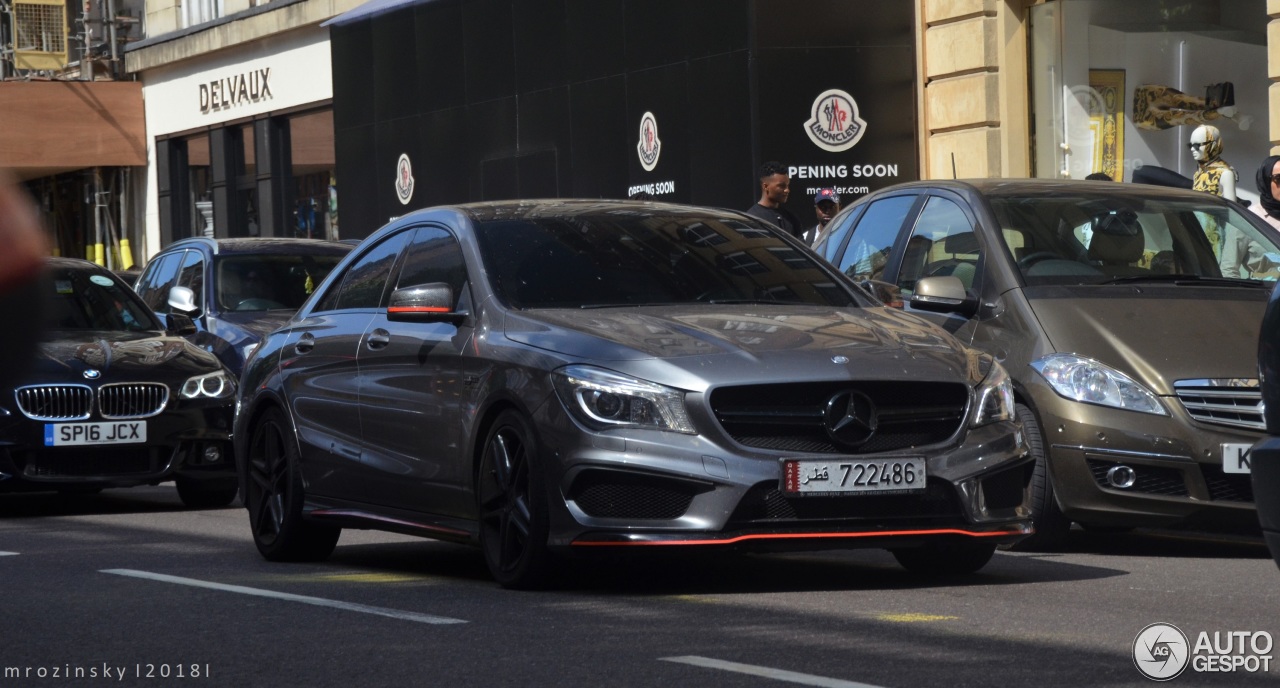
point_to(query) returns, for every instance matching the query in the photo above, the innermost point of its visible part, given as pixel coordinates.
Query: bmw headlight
(217, 385)
(602, 399)
(995, 397)
(1084, 379)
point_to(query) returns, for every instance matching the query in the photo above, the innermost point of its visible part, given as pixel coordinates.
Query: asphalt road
(130, 583)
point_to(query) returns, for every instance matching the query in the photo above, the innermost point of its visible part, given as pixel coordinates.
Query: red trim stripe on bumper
(1018, 530)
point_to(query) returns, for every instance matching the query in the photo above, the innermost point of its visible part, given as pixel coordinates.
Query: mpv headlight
(602, 399)
(1084, 379)
(995, 397)
(210, 386)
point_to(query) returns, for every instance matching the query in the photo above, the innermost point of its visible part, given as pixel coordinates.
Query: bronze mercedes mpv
(1127, 316)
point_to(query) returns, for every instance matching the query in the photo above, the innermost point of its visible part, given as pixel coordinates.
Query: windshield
(1076, 239)
(628, 259)
(87, 300)
(264, 282)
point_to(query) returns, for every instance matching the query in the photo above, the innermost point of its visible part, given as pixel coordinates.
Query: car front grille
(1227, 487)
(1234, 403)
(81, 463)
(55, 402)
(132, 399)
(765, 503)
(791, 417)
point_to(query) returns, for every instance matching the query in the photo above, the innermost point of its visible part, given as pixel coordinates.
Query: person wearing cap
(775, 189)
(826, 203)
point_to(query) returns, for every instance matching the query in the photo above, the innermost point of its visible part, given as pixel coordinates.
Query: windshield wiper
(1191, 279)
(589, 306)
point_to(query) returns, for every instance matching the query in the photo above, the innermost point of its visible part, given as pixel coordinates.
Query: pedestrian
(1241, 256)
(23, 294)
(826, 203)
(775, 189)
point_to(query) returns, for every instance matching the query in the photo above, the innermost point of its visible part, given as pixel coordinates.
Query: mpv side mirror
(943, 294)
(183, 300)
(180, 324)
(424, 303)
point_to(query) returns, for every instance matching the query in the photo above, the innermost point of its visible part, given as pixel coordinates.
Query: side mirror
(183, 300)
(943, 294)
(180, 324)
(424, 303)
(888, 294)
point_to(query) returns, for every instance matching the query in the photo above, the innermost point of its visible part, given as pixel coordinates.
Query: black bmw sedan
(116, 399)
(548, 378)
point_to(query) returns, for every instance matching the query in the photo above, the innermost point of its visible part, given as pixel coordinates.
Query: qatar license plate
(78, 434)
(1235, 457)
(882, 476)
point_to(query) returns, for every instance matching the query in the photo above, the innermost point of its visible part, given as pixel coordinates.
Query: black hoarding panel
(720, 171)
(439, 45)
(596, 45)
(545, 128)
(446, 157)
(656, 33)
(541, 34)
(599, 156)
(491, 132)
(351, 50)
(834, 23)
(714, 27)
(658, 145)
(489, 54)
(394, 67)
(355, 152)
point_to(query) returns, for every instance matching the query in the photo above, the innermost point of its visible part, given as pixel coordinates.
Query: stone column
(1273, 71)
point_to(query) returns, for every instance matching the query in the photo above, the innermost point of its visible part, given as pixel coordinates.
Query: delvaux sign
(237, 89)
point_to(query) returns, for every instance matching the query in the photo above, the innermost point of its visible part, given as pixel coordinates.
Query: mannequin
(1214, 175)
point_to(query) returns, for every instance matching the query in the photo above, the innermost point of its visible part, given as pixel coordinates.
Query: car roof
(75, 263)
(575, 207)
(1047, 187)
(261, 245)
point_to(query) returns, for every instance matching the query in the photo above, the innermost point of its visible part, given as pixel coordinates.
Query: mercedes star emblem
(850, 418)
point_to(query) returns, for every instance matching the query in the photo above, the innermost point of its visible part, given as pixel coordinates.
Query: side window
(155, 282)
(191, 275)
(365, 280)
(434, 256)
(873, 238)
(942, 243)
(833, 240)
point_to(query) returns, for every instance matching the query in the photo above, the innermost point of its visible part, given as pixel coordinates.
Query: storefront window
(200, 182)
(246, 176)
(1120, 86)
(315, 212)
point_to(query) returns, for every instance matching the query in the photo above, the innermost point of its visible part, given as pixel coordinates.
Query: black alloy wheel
(511, 502)
(274, 497)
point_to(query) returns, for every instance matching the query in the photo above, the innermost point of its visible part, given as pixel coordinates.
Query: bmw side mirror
(943, 294)
(180, 324)
(183, 300)
(424, 303)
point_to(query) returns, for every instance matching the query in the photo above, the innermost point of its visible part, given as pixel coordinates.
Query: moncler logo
(649, 147)
(834, 123)
(404, 179)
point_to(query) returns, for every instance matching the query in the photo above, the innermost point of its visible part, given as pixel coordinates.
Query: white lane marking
(766, 672)
(8, 554)
(317, 601)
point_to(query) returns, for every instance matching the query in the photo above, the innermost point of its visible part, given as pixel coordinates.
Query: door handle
(378, 339)
(305, 344)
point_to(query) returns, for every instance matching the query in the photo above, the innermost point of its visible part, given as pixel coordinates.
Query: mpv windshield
(1091, 239)
(632, 259)
(261, 282)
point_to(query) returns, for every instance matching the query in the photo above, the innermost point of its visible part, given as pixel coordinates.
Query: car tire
(1051, 526)
(511, 503)
(199, 494)
(274, 496)
(946, 559)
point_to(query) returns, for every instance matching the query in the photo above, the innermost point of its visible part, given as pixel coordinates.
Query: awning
(371, 9)
(59, 126)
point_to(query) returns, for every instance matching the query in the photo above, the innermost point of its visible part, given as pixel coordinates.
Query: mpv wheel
(1051, 526)
(274, 497)
(511, 502)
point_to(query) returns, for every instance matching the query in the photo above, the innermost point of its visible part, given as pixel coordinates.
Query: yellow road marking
(373, 577)
(912, 617)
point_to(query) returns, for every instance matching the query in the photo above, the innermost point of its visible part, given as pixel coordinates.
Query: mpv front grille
(132, 399)
(791, 417)
(1227, 487)
(55, 402)
(1234, 403)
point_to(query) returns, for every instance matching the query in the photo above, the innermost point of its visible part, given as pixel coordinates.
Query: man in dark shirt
(775, 188)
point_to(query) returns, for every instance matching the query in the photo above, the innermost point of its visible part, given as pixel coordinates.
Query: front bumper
(1266, 485)
(1177, 464)
(176, 446)
(647, 489)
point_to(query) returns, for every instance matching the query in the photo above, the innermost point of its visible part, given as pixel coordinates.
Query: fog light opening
(212, 453)
(1121, 477)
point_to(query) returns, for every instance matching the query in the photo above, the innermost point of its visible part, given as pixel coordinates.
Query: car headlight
(995, 397)
(1084, 379)
(602, 399)
(211, 386)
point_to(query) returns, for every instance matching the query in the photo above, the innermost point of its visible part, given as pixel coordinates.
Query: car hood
(1156, 334)
(792, 342)
(118, 356)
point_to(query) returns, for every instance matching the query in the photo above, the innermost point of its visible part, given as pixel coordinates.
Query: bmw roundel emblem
(840, 359)
(92, 374)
